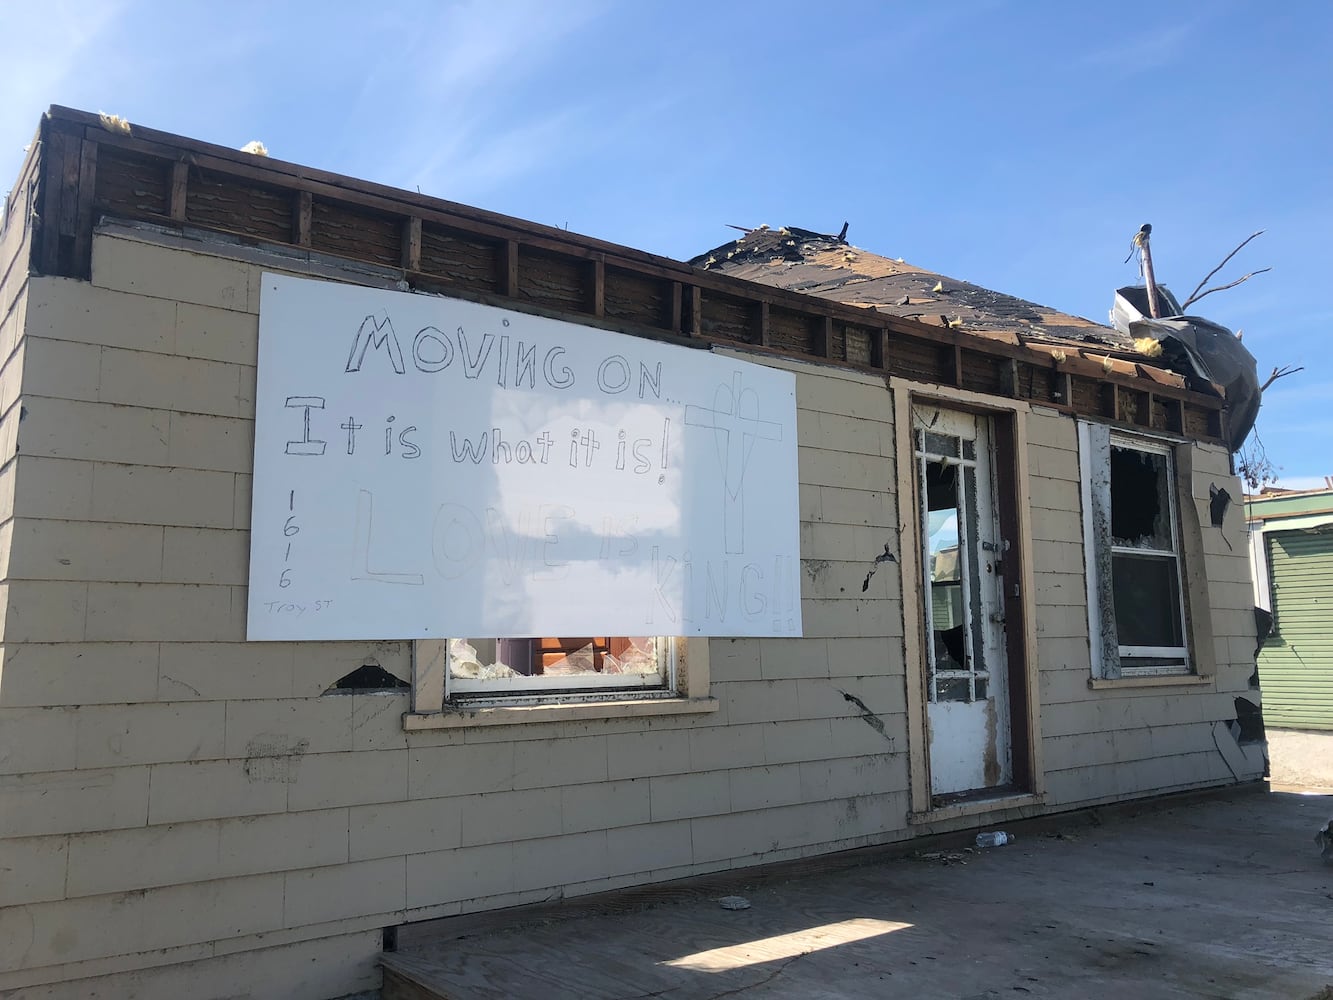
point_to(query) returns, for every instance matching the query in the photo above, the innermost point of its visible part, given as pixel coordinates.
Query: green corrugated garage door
(1296, 664)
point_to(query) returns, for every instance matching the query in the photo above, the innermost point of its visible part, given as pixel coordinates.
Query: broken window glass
(1140, 506)
(1147, 600)
(949, 488)
(514, 666)
(940, 444)
(953, 689)
(1138, 607)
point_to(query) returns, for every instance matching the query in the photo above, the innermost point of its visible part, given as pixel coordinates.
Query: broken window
(955, 646)
(561, 665)
(1136, 604)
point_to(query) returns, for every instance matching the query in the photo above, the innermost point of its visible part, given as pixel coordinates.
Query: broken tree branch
(1280, 373)
(1223, 288)
(1194, 295)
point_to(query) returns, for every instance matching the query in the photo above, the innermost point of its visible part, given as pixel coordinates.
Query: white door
(966, 673)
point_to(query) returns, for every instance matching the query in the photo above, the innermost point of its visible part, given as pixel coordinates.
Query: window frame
(434, 708)
(923, 455)
(1269, 541)
(531, 689)
(1109, 655)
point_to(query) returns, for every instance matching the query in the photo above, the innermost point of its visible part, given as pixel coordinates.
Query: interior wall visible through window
(1136, 601)
(561, 665)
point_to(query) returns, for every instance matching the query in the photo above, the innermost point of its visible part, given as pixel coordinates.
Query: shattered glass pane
(946, 612)
(953, 689)
(1147, 600)
(941, 444)
(641, 656)
(579, 661)
(950, 653)
(464, 661)
(974, 570)
(489, 659)
(1140, 507)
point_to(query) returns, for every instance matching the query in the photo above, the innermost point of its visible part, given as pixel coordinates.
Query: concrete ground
(1301, 759)
(1223, 897)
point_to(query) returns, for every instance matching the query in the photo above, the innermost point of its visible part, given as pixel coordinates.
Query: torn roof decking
(91, 173)
(829, 267)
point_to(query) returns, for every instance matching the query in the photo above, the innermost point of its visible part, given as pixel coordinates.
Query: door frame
(1009, 430)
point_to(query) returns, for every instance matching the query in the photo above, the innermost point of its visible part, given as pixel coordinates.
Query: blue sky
(1015, 145)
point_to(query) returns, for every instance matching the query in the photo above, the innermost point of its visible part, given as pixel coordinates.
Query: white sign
(427, 467)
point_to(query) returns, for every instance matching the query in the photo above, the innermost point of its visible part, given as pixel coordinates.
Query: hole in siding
(1249, 721)
(1218, 502)
(368, 677)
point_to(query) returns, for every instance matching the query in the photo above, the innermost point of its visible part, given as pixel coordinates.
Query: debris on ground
(734, 903)
(1324, 838)
(945, 857)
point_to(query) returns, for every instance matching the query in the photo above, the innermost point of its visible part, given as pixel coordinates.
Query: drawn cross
(734, 420)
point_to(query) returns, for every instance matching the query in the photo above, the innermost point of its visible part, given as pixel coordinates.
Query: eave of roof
(91, 176)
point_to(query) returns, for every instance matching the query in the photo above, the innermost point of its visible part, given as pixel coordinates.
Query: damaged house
(372, 559)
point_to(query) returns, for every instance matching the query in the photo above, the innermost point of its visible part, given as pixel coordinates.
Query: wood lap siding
(1087, 396)
(1197, 422)
(979, 374)
(789, 331)
(916, 359)
(348, 232)
(637, 299)
(837, 345)
(727, 318)
(136, 186)
(858, 346)
(552, 281)
(216, 203)
(460, 259)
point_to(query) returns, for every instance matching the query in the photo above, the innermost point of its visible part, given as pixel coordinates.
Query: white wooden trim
(430, 660)
(1263, 593)
(975, 807)
(482, 714)
(1091, 579)
(1032, 681)
(1181, 652)
(916, 670)
(560, 698)
(539, 684)
(910, 568)
(1149, 680)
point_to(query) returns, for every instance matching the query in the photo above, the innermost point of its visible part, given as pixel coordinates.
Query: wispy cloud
(457, 115)
(1293, 390)
(1141, 50)
(43, 48)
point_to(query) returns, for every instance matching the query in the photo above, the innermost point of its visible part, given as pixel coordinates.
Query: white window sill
(514, 715)
(1149, 680)
(975, 807)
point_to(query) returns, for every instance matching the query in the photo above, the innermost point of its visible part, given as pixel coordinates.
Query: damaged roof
(828, 266)
(85, 177)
